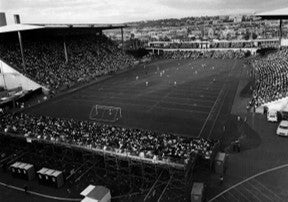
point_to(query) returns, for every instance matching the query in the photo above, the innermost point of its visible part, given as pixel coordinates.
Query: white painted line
(236, 199)
(39, 194)
(210, 113)
(248, 179)
(224, 198)
(251, 193)
(225, 95)
(184, 101)
(262, 194)
(267, 189)
(183, 110)
(157, 103)
(241, 194)
(218, 113)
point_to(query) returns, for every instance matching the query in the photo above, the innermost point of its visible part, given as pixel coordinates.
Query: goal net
(105, 113)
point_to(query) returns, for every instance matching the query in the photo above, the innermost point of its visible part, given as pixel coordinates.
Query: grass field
(185, 107)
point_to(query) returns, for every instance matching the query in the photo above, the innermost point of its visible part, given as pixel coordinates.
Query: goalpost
(105, 113)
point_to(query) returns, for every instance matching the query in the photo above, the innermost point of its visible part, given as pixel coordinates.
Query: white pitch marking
(38, 194)
(248, 179)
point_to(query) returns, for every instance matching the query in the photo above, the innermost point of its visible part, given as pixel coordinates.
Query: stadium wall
(252, 50)
(11, 78)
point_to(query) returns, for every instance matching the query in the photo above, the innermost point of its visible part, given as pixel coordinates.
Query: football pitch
(180, 96)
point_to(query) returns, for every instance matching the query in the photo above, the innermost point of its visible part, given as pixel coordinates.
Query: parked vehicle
(282, 129)
(272, 116)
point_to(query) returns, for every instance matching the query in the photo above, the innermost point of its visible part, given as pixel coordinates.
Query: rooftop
(19, 27)
(274, 14)
(26, 27)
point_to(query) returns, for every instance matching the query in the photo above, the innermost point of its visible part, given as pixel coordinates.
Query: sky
(120, 11)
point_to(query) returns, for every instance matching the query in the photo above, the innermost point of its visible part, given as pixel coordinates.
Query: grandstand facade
(211, 46)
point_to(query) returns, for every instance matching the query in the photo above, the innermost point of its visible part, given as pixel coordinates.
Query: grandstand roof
(99, 26)
(19, 27)
(25, 27)
(274, 14)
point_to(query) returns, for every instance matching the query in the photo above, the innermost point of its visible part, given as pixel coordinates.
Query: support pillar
(65, 51)
(21, 49)
(17, 21)
(122, 39)
(280, 32)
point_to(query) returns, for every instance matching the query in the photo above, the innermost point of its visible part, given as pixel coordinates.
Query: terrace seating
(207, 54)
(89, 57)
(224, 45)
(133, 142)
(271, 82)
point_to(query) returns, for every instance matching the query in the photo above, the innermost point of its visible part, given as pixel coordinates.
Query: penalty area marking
(248, 179)
(38, 194)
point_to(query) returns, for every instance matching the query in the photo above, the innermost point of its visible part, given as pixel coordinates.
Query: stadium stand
(132, 142)
(207, 54)
(238, 44)
(271, 82)
(89, 56)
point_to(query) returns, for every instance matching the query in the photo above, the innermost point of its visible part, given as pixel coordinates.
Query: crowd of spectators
(89, 56)
(269, 45)
(228, 54)
(219, 45)
(215, 45)
(207, 54)
(133, 142)
(239, 44)
(271, 82)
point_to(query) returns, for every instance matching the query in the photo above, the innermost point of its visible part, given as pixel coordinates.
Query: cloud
(42, 4)
(215, 5)
(190, 4)
(109, 11)
(81, 10)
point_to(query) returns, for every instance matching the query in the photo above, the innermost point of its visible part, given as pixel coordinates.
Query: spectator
(206, 54)
(133, 142)
(271, 82)
(89, 56)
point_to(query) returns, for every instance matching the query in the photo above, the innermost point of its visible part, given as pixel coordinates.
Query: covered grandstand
(40, 50)
(278, 14)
